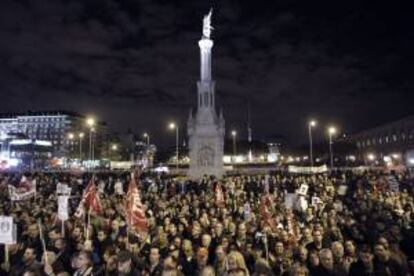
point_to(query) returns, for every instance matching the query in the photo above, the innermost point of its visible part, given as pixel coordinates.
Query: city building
(66, 131)
(391, 142)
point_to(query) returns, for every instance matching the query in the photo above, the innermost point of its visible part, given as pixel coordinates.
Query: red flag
(90, 200)
(134, 209)
(265, 205)
(219, 195)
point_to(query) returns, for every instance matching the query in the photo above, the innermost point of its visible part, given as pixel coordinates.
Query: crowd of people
(239, 225)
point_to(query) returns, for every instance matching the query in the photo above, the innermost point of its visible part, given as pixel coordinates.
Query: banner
(21, 194)
(308, 170)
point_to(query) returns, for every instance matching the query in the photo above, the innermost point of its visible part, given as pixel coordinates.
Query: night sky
(135, 63)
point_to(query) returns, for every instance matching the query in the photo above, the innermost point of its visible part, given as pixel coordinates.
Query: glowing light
(71, 136)
(371, 157)
(331, 130)
(312, 123)
(114, 147)
(233, 133)
(21, 142)
(387, 159)
(81, 135)
(172, 126)
(396, 156)
(90, 122)
(351, 158)
(43, 143)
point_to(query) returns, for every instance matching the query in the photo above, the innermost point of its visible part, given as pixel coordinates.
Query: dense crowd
(366, 230)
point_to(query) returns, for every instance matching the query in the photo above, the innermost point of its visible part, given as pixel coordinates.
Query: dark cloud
(136, 63)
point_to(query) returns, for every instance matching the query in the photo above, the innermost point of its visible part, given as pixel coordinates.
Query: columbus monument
(206, 129)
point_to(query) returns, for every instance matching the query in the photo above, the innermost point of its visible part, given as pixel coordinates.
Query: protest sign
(393, 183)
(303, 190)
(7, 230)
(63, 212)
(342, 189)
(290, 199)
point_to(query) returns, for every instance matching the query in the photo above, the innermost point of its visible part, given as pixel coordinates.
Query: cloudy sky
(135, 63)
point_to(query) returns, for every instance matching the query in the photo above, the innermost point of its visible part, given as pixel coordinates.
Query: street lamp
(146, 135)
(90, 122)
(174, 126)
(81, 135)
(311, 124)
(331, 132)
(234, 134)
(70, 138)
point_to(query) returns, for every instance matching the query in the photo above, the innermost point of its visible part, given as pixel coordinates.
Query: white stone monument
(206, 129)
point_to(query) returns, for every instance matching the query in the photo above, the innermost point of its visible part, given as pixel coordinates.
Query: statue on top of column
(207, 25)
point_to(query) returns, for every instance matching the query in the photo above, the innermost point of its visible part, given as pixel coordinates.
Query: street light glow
(312, 123)
(145, 135)
(71, 136)
(172, 125)
(233, 133)
(114, 147)
(90, 122)
(81, 135)
(371, 157)
(332, 130)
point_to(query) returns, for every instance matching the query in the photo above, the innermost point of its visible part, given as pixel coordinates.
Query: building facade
(53, 126)
(394, 140)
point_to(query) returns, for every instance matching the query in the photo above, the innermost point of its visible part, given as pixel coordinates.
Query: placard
(316, 201)
(303, 190)
(63, 212)
(393, 184)
(342, 189)
(290, 200)
(6, 230)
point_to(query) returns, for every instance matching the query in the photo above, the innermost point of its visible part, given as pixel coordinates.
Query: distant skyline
(134, 64)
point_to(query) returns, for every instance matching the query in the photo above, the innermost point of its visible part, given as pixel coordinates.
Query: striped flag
(134, 209)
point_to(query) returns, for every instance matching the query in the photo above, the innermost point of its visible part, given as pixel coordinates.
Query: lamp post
(146, 136)
(311, 124)
(90, 122)
(233, 135)
(331, 132)
(70, 138)
(81, 135)
(174, 126)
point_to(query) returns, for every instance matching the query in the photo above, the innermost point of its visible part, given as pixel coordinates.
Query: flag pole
(63, 228)
(42, 239)
(6, 256)
(89, 223)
